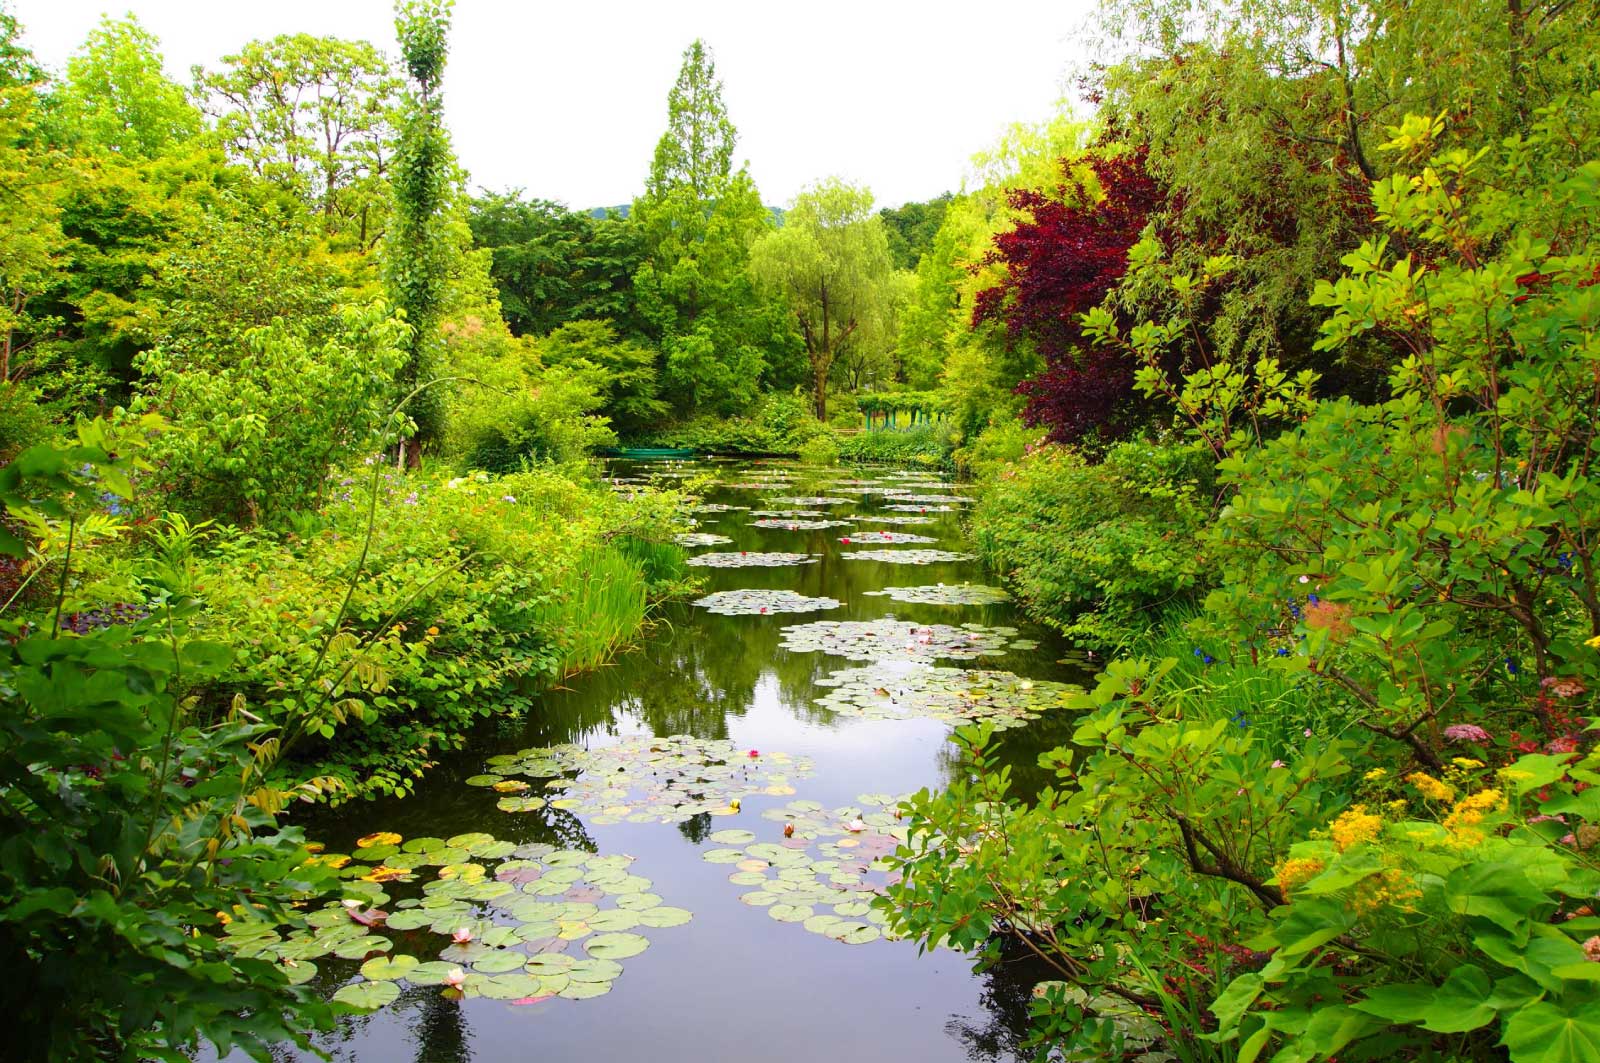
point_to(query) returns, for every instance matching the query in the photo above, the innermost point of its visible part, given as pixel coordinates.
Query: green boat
(651, 452)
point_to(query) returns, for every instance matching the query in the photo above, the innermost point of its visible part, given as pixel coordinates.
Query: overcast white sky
(567, 99)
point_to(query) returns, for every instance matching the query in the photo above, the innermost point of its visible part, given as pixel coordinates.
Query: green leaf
(1547, 1032)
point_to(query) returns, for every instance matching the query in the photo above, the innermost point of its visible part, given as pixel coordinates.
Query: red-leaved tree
(1060, 262)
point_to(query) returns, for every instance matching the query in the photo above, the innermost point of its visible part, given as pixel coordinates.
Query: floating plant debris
(945, 594)
(649, 780)
(905, 690)
(888, 639)
(752, 602)
(902, 557)
(749, 560)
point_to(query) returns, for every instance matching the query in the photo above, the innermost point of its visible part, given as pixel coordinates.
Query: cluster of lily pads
(945, 594)
(898, 690)
(896, 518)
(887, 537)
(811, 500)
(515, 923)
(888, 639)
(692, 539)
(800, 524)
(749, 559)
(715, 507)
(825, 869)
(642, 779)
(921, 508)
(905, 557)
(769, 513)
(906, 496)
(754, 601)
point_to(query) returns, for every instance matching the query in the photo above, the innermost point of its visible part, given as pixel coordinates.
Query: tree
(315, 115)
(1061, 262)
(698, 218)
(626, 371)
(911, 228)
(118, 100)
(696, 151)
(554, 266)
(830, 261)
(417, 248)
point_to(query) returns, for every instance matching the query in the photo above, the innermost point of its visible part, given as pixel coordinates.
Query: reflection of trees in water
(696, 828)
(999, 1033)
(441, 1031)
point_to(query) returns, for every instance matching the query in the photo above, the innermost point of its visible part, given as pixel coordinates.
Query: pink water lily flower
(455, 978)
(462, 935)
(856, 826)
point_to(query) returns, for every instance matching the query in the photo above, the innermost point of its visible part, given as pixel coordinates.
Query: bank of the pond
(674, 857)
(461, 597)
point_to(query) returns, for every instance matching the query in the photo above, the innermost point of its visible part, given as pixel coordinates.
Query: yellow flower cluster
(1354, 827)
(1468, 813)
(1375, 774)
(1296, 872)
(1431, 788)
(1466, 763)
(1391, 888)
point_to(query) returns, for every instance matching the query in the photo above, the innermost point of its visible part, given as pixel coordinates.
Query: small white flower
(508, 498)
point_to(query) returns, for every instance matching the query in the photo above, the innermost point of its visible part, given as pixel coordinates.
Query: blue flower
(1512, 667)
(1283, 651)
(1240, 719)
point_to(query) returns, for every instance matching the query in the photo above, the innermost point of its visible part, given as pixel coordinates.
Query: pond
(611, 892)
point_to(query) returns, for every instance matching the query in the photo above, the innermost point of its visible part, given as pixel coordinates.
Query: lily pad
(745, 559)
(693, 539)
(756, 601)
(732, 836)
(886, 538)
(368, 995)
(616, 946)
(922, 508)
(888, 639)
(799, 524)
(663, 916)
(585, 990)
(906, 690)
(907, 557)
(945, 594)
(388, 968)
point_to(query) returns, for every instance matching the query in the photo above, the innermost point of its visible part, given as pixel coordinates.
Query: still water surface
(733, 984)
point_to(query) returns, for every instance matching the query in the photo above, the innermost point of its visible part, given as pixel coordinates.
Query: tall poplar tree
(416, 263)
(699, 216)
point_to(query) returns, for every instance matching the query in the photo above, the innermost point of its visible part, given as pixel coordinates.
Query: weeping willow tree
(831, 262)
(417, 250)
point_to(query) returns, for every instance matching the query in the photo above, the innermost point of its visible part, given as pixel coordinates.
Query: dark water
(732, 984)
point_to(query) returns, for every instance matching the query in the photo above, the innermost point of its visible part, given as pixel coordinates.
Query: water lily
(788, 830)
(856, 826)
(455, 978)
(462, 935)
(352, 903)
(755, 753)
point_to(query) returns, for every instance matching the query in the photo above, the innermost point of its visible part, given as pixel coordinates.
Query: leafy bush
(258, 428)
(925, 444)
(1096, 550)
(132, 821)
(779, 424)
(1004, 441)
(822, 450)
(474, 592)
(510, 410)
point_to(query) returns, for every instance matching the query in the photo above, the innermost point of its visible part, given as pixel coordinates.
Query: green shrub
(131, 821)
(926, 444)
(823, 450)
(1097, 550)
(778, 424)
(1002, 442)
(475, 591)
